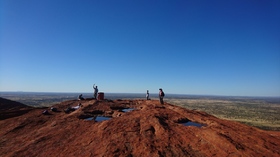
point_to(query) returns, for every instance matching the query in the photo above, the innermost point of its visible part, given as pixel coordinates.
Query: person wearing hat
(161, 95)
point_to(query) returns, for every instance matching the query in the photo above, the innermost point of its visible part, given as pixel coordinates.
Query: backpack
(162, 93)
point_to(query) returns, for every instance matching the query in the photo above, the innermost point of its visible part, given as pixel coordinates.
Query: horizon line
(213, 95)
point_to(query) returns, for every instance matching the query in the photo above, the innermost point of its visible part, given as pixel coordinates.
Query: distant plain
(261, 112)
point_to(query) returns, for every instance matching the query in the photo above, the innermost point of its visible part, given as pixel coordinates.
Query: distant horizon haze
(137, 94)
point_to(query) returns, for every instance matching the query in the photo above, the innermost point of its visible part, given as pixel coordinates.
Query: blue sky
(185, 47)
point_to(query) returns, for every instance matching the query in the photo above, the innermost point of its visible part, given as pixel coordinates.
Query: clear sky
(226, 47)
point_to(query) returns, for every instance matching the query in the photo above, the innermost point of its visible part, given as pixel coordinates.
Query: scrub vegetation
(261, 113)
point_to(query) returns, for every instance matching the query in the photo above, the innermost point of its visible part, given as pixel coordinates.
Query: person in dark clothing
(81, 97)
(95, 91)
(148, 95)
(161, 95)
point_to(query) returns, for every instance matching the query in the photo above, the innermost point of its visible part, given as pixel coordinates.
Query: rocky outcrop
(9, 108)
(146, 128)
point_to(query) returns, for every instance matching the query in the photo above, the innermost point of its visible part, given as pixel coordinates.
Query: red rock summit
(146, 129)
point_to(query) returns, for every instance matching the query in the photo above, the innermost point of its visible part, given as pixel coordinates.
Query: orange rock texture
(148, 129)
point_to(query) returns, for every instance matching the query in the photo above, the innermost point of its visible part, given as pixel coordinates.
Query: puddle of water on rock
(90, 118)
(128, 109)
(193, 124)
(98, 118)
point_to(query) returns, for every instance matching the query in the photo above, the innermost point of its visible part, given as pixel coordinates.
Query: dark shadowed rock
(9, 108)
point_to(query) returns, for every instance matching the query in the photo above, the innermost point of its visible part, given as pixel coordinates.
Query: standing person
(161, 95)
(148, 95)
(95, 91)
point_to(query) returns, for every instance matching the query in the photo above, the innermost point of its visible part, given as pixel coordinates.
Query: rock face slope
(147, 128)
(9, 108)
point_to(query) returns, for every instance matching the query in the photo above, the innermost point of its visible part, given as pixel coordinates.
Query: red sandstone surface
(150, 130)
